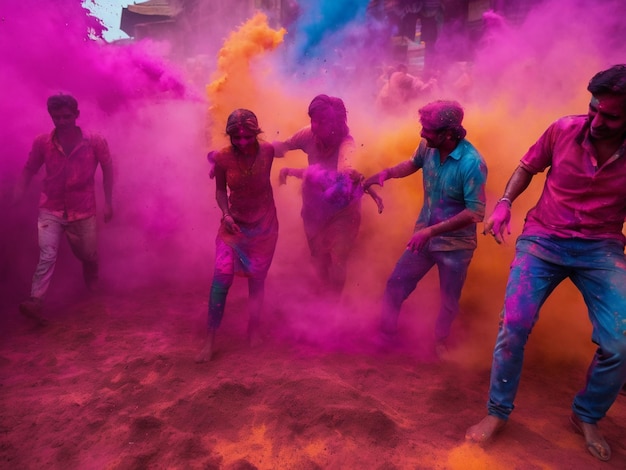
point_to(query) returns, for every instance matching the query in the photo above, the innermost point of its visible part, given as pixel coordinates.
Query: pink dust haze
(161, 116)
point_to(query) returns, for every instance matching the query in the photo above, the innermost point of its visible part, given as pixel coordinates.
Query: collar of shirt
(55, 141)
(584, 140)
(457, 153)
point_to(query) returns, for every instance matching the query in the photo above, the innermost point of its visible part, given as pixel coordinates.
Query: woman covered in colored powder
(247, 236)
(331, 190)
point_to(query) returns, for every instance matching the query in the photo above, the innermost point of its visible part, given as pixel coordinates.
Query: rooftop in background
(135, 16)
(110, 13)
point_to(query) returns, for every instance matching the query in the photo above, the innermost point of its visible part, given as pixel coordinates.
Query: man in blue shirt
(454, 176)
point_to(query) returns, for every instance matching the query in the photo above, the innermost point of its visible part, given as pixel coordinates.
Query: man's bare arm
(499, 220)
(401, 170)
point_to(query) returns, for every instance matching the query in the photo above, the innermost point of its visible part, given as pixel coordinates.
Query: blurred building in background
(423, 34)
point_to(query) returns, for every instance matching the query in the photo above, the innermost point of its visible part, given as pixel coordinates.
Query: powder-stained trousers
(410, 269)
(81, 235)
(598, 270)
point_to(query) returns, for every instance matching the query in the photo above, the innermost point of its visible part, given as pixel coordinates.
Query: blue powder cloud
(321, 25)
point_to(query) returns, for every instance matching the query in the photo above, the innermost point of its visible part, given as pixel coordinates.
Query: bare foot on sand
(207, 351)
(596, 444)
(485, 430)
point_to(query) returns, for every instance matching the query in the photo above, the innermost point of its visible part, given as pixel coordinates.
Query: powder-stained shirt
(250, 197)
(68, 187)
(251, 203)
(449, 188)
(580, 199)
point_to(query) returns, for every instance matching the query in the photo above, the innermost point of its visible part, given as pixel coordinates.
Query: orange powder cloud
(503, 121)
(235, 84)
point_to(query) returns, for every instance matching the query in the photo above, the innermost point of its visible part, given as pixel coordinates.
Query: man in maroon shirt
(575, 232)
(68, 201)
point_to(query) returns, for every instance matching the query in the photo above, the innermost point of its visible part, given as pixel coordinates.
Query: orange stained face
(434, 137)
(243, 139)
(64, 117)
(607, 117)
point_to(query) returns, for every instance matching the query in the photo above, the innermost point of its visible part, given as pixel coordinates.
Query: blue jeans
(598, 270)
(81, 235)
(410, 269)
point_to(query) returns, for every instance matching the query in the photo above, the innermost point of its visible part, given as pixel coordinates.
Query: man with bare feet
(68, 200)
(574, 231)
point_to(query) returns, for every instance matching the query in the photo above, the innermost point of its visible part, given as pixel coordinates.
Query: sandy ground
(110, 382)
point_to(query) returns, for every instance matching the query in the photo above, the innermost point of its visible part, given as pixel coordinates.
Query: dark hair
(443, 115)
(609, 82)
(333, 106)
(56, 102)
(242, 118)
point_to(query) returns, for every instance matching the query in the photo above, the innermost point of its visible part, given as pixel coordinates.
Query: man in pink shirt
(68, 201)
(575, 232)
